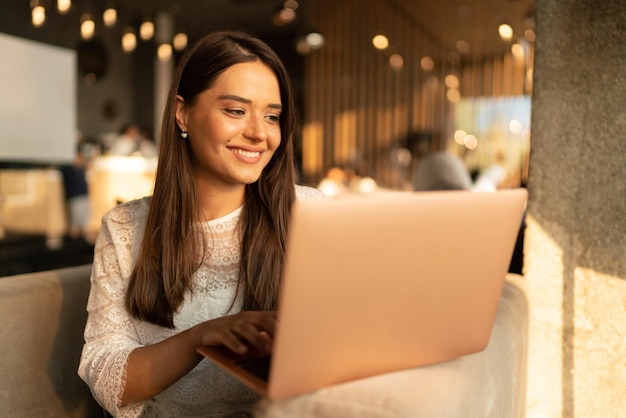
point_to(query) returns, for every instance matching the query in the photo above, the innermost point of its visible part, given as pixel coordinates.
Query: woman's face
(234, 126)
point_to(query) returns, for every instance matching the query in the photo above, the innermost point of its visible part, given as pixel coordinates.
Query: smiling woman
(199, 262)
(233, 130)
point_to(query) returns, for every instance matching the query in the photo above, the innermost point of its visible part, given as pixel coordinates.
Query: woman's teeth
(246, 153)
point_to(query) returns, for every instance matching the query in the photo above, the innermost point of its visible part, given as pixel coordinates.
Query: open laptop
(383, 282)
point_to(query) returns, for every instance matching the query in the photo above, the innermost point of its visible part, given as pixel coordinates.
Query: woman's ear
(181, 112)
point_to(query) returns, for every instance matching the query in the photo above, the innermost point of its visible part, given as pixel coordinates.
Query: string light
(37, 14)
(109, 16)
(63, 6)
(146, 30)
(129, 40)
(87, 26)
(180, 41)
(505, 31)
(380, 42)
(164, 52)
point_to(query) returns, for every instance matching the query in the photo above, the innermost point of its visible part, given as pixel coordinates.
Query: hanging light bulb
(146, 30)
(380, 41)
(37, 14)
(129, 40)
(164, 52)
(63, 6)
(87, 26)
(180, 41)
(109, 16)
(505, 31)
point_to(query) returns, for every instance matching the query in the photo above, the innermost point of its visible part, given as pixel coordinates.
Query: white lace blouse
(111, 333)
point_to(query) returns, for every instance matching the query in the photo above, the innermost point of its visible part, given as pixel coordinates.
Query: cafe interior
(372, 79)
(375, 80)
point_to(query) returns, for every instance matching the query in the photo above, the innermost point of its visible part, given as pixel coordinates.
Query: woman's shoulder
(131, 212)
(308, 193)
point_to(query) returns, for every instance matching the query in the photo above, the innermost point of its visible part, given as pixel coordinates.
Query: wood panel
(358, 109)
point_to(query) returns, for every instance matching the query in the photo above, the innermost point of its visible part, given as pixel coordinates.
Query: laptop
(383, 282)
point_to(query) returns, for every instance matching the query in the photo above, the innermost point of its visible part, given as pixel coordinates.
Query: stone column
(575, 254)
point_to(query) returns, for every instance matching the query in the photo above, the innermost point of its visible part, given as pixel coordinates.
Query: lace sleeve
(110, 335)
(308, 193)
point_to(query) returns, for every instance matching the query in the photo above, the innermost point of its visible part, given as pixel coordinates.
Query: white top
(111, 333)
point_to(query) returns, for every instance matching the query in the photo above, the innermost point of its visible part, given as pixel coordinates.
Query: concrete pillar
(575, 254)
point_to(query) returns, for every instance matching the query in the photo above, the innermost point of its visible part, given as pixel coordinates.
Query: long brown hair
(171, 248)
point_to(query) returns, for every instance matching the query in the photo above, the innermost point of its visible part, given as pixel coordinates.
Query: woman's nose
(256, 129)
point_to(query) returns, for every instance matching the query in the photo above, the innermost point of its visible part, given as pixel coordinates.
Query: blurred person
(77, 197)
(437, 170)
(133, 141)
(198, 263)
(441, 170)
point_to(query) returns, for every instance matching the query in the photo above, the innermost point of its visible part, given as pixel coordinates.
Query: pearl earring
(184, 134)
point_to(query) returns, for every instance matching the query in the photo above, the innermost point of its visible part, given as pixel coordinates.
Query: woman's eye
(236, 112)
(273, 118)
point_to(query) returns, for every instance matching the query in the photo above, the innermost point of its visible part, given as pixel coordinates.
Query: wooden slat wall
(358, 109)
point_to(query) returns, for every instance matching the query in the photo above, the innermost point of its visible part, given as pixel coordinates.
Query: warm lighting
(63, 6)
(380, 42)
(453, 95)
(367, 185)
(291, 4)
(180, 41)
(164, 52)
(87, 26)
(459, 136)
(505, 31)
(427, 63)
(146, 30)
(129, 40)
(38, 16)
(452, 81)
(529, 76)
(396, 61)
(470, 141)
(315, 40)
(517, 50)
(529, 34)
(284, 16)
(463, 47)
(109, 16)
(303, 47)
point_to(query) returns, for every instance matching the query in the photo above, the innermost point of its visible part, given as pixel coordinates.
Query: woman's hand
(238, 331)
(146, 376)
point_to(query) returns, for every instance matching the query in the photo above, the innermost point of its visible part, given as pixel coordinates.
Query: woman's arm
(146, 374)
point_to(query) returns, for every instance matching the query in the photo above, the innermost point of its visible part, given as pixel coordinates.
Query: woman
(199, 262)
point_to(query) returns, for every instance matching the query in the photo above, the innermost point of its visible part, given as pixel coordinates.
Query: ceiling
(444, 21)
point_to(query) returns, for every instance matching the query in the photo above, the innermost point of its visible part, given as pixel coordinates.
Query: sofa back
(41, 338)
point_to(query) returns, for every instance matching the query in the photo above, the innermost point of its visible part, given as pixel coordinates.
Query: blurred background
(380, 85)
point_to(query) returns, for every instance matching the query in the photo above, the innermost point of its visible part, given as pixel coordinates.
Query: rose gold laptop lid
(380, 283)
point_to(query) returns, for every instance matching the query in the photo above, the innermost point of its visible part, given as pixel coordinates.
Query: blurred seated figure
(132, 142)
(436, 170)
(77, 198)
(441, 170)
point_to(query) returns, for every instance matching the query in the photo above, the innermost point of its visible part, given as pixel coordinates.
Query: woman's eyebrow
(246, 101)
